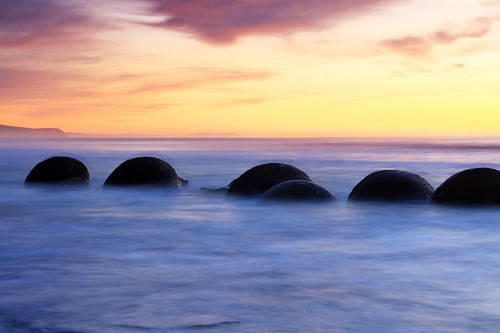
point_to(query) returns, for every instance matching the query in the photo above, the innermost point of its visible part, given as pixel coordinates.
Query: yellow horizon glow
(359, 77)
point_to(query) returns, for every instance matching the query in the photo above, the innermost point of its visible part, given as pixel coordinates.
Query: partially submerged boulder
(257, 180)
(298, 190)
(59, 170)
(471, 187)
(145, 171)
(392, 186)
(213, 192)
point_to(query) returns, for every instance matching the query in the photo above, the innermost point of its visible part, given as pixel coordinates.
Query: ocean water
(88, 260)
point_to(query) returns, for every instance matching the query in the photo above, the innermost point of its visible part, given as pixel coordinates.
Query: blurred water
(88, 260)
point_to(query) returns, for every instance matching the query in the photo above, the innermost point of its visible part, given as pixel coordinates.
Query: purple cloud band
(29, 22)
(61, 22)
(224, 21)
(49, 22)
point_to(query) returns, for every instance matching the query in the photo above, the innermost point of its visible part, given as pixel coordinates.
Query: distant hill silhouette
(24, 132)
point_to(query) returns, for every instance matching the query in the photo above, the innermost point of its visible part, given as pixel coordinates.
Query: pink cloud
(409, 45)
(422, 46)
(224, 21)
(474, 29)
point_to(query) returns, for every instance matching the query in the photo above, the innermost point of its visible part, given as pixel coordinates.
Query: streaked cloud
(409, 45)
(243, 101)
(197, 77)
(224, 21)
(474, 29)
(29, 83)
(422, 46)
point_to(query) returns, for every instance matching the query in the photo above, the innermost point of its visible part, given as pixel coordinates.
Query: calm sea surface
(88, 260)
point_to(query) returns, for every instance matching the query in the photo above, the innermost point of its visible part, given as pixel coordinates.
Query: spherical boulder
(392, 186)
(150, 171)
(59, 170)
(257, 180)
(298, 190)
(471, 187)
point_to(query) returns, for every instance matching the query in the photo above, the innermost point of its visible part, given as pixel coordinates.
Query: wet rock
(392, 186)
(213, 192)
(298, 190)
(145, 171)
(59, 170)
(474, 187)
(257, 180)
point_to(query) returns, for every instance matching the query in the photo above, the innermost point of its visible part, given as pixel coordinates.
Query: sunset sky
(256, 68)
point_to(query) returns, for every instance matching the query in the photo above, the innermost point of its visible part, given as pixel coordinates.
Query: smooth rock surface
(145, 171)
(59, 169)
(392, 186)
(478, 186)
(257, 180)
(298, 190)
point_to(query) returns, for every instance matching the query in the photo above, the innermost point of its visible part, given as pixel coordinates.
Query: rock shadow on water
(218, 325)
(203, 322)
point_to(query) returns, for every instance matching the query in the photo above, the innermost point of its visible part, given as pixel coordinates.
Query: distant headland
(25, 132)
(16, 132)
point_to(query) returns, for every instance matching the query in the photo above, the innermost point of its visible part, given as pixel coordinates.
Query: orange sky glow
(266, 68)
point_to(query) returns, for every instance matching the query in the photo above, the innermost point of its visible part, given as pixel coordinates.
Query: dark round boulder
(298, 190)
(473, 187)
(392, 186)
(257, 180)
(145, 171)
(59, 170)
